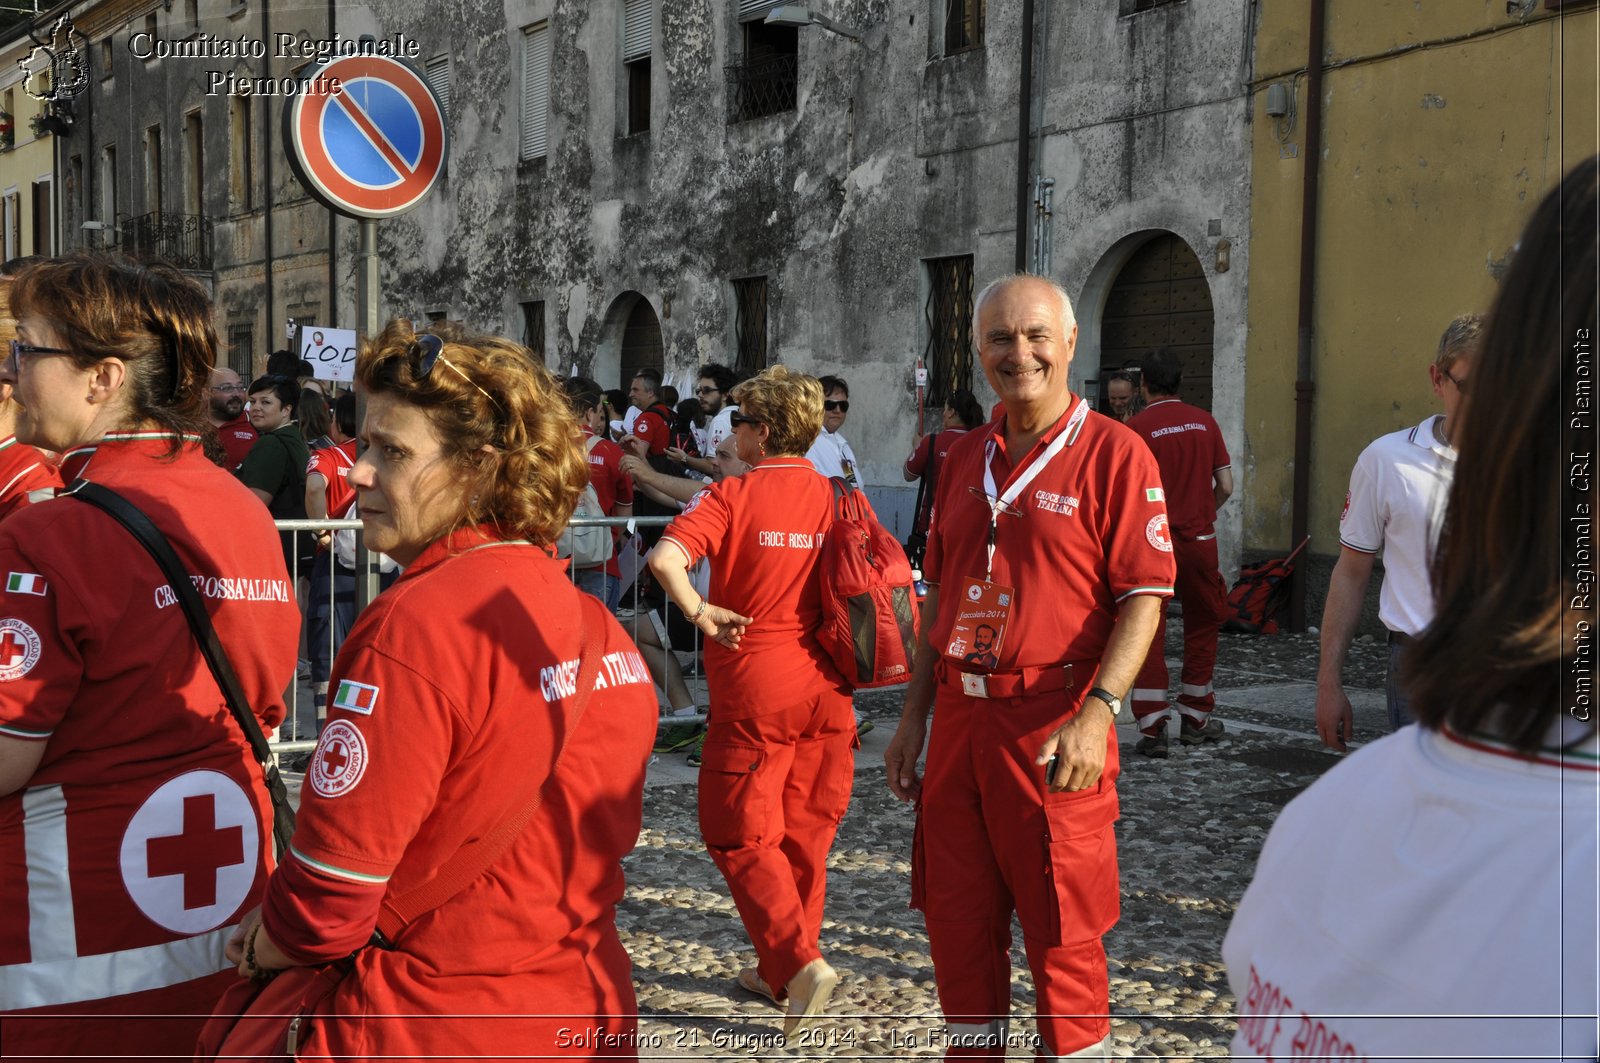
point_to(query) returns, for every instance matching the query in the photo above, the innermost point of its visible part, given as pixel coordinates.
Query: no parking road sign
(369, 139)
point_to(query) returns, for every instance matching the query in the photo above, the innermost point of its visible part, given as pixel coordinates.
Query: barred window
(948, 356)
(750, 323)
(533, 327)
(963, 25)
(241, 350)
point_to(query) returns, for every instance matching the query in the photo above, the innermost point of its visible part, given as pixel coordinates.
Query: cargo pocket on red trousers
(919, 871)
(1080, 866)
(733, 809)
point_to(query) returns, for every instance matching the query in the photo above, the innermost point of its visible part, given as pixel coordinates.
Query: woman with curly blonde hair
(482, 684)
(777, 766)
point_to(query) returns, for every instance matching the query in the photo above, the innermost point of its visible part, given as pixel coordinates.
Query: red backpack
(869, 612)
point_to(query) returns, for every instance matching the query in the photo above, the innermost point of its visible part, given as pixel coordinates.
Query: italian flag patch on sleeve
(25, 583)
(355, 697)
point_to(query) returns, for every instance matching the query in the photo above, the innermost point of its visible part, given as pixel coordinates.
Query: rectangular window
(437, 71)
(44, 222)
(152, 170)
(948, 355)
(750, 323)
(241, 350)
(108, 52)
(765, 80)
(110, 209)
(73, 205)
(637, 38)
(194, 168)
(191, 14)
(533, 327)
(13, 224)
(963, 25)
(535, 90)
(242, 165)
(1131, 7)
(153, 30)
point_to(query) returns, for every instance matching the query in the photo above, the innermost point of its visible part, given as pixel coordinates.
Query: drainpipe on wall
(266, 173)
(1024, 135)
(1304, 387)
(333, 228)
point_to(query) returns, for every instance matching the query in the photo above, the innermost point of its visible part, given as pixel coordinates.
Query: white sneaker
(808, 996)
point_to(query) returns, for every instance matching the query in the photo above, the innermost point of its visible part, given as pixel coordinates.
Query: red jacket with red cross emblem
(447, 703)
(144, 833)
(1087, 532)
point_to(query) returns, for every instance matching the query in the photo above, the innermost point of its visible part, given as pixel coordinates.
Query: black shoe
(1190, 735)
(1153, 746)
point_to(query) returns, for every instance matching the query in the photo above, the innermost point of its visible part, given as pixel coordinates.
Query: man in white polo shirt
(1398, 491)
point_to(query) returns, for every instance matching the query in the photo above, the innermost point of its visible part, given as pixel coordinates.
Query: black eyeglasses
(18, 349)
(1462, 382)
(736, 418)
(842, 405)
(707, 391)
(427, 350)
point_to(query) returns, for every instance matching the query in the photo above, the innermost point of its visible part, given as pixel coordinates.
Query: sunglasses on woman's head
(737, 418)
(427, 350)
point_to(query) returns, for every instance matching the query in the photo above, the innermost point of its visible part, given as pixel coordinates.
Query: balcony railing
(183, 240)
(762, 86)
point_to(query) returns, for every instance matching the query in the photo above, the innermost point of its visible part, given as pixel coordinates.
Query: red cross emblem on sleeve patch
(19, 649)
(190, 853)
(340, 759)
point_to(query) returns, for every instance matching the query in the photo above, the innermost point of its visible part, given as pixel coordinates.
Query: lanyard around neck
(999, 502)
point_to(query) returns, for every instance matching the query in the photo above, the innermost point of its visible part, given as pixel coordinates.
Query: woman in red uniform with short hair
(453, 700)
(777, 766)
(26, 475)
(134, 827)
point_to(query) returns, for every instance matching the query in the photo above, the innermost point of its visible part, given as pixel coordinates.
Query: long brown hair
(1506, 569)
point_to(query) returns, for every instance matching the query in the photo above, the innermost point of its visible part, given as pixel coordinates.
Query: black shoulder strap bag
(917, 541)
(141, 528)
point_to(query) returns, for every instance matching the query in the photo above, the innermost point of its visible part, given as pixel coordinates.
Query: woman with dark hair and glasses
(1435, 895)
(776, 767)
(456, 702)
(134, 825)
(26, 474)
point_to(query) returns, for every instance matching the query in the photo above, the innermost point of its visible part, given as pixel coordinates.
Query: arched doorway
(1161, 299)
(641, 341)
(630, 339)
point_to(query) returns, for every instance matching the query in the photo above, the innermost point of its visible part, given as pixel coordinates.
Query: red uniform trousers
(773, 789)
(1200, 588)
(990, 840)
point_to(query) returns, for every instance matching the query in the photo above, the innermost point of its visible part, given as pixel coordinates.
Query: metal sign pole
(366, 325)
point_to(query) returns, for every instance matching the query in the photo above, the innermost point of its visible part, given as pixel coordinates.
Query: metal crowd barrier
(306, 708)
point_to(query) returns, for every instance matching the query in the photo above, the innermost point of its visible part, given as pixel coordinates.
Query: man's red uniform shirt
(23, 470)
(1093, 531)
(1189, 449)
(763, 532)
(237, 437)
(611, 485)
(654, 426)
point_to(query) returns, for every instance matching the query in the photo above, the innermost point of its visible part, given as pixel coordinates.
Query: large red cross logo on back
(12, 649)
(197, 853)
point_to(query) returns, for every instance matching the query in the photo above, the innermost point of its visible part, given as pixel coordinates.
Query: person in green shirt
(275, 468)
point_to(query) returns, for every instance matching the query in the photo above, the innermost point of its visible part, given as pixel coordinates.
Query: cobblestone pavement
(1191, 828)
(1190, 831)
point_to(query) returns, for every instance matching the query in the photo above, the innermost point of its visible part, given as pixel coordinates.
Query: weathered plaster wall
(1444, 124)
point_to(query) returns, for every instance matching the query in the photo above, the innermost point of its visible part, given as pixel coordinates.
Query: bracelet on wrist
(698, 613)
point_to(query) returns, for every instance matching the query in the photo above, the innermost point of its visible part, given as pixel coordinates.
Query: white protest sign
(331, 352)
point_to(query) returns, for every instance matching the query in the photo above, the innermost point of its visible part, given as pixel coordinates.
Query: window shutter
(635, 29)
(535, 90)
(437, 72)
(750, 10)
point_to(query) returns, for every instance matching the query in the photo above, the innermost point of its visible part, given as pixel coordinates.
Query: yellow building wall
(28, 160)
(1444, 123)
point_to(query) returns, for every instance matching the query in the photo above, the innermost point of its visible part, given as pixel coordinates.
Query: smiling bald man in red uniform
(1053, 519)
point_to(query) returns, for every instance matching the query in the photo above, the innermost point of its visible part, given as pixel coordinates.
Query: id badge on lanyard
(984, 608)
